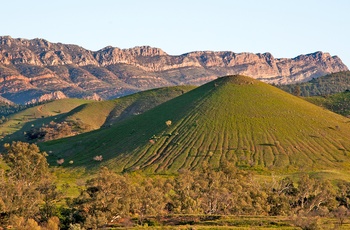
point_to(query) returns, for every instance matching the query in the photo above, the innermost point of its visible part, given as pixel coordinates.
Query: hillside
(68, 117)
(338, 103)
(96, 114)
(34, 70)
(37, 116)
(236, 118)
(322, 86)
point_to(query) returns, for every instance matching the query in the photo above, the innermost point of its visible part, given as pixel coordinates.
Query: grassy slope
(91, 114)
(107, 112)
(235, 118)
(338, 103)
(33, 115)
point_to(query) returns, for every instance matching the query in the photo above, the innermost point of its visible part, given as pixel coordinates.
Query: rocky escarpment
(49, 97)
(32, 68)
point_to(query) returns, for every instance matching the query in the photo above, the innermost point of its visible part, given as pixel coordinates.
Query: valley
(175, 115)
(233, 153)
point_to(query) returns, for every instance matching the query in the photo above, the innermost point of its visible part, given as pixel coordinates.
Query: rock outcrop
(31, 68)
(49, 97)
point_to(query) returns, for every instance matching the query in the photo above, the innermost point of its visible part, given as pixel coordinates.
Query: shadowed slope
(101, 113)
(83, 115)
(34, 115)
(233, 118)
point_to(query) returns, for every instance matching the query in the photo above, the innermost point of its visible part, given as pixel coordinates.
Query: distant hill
(322, 86)
(68, 117)
(239, 119)
(105, 113)
(35, 70)
(36, 116)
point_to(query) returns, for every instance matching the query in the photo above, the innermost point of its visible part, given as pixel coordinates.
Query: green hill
(73, 116)
(322, 86)
(338, 103)
(234, 118)
(38, 114)
(96, 114)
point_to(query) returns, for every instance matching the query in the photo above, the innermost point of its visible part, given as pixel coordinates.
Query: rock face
(32, 68)
(48, 97)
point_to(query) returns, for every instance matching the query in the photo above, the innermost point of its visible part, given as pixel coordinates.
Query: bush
(98, 158)
(307, 222)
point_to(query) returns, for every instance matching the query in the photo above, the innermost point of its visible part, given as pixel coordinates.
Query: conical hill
(234, 118)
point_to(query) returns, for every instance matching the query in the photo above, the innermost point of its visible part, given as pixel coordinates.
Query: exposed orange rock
(45, 67)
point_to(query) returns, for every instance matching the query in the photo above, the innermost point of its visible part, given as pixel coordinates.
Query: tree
(26, 162)
(343, 196)
(50, 195)
(168, 123)
(297, 91)
(341, 213)
(100, 201)
(187, 191)
(21, 185)
(282, 197)
(147, 198)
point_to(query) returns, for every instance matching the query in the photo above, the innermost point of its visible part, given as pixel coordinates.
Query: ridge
(113, 72)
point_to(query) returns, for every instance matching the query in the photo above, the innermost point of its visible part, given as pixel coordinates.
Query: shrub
(168, 123)
(60, 161)
(98, 158)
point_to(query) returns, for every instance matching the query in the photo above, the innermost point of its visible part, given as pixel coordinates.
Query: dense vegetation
(338, 103)
(322, 86)
(27, 190)
(236, 118)
(31, 199)
(8, 109)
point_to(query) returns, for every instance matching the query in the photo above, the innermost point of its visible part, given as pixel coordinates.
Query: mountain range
(37, 70)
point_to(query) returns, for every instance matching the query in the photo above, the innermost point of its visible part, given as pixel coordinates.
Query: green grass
(30, 115)
(108, 112)
(92, 115)
(89, 115)
(250, 123)
(70, 182)
(35, 116)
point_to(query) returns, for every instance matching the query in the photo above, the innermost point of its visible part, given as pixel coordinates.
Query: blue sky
(283, 28)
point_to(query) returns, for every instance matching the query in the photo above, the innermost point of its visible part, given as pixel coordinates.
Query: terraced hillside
(233, 118)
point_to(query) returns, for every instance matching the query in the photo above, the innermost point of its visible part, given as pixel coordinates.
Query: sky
(285, 28)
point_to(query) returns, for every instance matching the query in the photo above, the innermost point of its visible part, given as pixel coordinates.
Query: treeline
(29, 195)
(8, 109)
(338, 103)
(322, 86)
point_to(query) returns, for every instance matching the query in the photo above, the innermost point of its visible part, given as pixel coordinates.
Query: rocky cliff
(32, 68)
